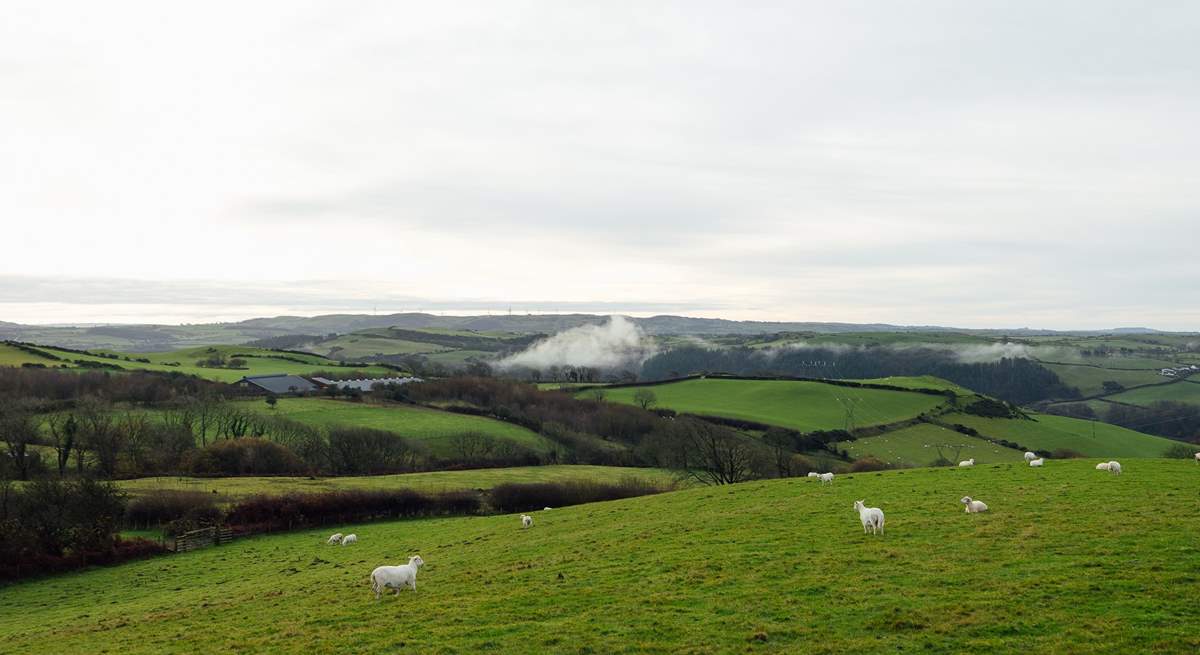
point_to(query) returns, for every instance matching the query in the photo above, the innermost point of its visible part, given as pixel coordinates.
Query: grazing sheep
(1198, 458)
(547, 509)
(396, 577)
(968, 462)
(349, 539)
(1114, 468)
(814, 474)
(1102, 466)
(1037, 462)
(334, 539)
(826, 478)
(526, 521)
(871, 517)
(1029, 457)
(973, 506)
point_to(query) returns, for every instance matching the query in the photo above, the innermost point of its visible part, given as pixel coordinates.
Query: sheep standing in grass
(526, 521)
(1102, 466)
(1037, 462)
(973, 506)
(1029, 457)
(335, 539)
(871, 517)
(826, 478)
(1198, 458)
(967, 462)
(349, 539)
(396, 577)
(1114, 468)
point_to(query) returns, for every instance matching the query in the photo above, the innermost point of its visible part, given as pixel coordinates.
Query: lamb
(547, 509)
(1103, 466)
(1029, 457)
(1198, 458)
(968, 462)
(826, 477)
(335, 539)
(871, 517)
(1114, 467)
(814, 474)
(973, 506)
(1037, 462)
(526, 521)
(396, 577)
(349, 539)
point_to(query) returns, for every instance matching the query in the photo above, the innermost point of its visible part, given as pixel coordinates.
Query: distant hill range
(166, 337)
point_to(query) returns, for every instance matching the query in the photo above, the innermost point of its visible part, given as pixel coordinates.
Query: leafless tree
(64, 430)
(19, 430)
(645, 398)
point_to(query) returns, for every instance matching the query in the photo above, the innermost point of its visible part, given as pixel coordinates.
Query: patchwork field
(798, 405)
(918, 445)
(1185, 391)
(770, 567)
(431, 426)
(231, 488)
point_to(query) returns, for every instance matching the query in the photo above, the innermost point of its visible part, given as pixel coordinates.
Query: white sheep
(814, 474)
(334, 539)
(871, 517)
(826, 478)
(967, 462)
(1114, 467)
(973, 506)
(396, 577)
(1102, 466)
(526, 521)
(349, 539)
(1037, 462)
(1029, 457)
(547, 509)
(1198, 458)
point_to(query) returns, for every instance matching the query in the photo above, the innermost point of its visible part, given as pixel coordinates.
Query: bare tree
(472, 446)
(64, 430)
(19, 431)
(645, 398)
(100, 435)
(712, 454)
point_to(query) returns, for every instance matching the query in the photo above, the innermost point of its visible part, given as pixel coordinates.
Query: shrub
(868, 464)
(1065, 453)
(1181, 451)
(243, 456)
(290, 511)
(521, 497)
(166, 506)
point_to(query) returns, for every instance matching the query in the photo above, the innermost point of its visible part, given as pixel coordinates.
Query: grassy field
(231, 488)
(791, 404)
(431, 426)
(918, 446)
(12, 356)
(1187, 391)
(920, 382)
(1053, 432)
(259, 361)
(770, 567)
(1090, 380)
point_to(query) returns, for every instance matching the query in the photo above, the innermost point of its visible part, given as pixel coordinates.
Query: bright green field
(920, 382)
(264, 362)
(10, 356)
(771, 567)
(1186, 391)
(791, 404)
(353, 346)
(433, 481)
(1053, 432)
(917, 446)
(1090, 380)
(428, 425)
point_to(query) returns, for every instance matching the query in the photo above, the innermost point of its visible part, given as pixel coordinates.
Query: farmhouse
(1169, 372)
(278, 384)
(365, 384)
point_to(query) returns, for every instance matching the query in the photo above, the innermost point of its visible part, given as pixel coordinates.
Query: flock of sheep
(405, 575)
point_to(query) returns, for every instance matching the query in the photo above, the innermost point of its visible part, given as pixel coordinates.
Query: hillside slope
(771, 567)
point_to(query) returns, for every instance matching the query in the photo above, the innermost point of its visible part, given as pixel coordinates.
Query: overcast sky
(973, 164)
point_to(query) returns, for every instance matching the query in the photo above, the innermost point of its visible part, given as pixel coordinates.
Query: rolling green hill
(431, 426)
(1049, 432)
(798, 405)
(1069, 559)
(1184, 391)
(918, 445)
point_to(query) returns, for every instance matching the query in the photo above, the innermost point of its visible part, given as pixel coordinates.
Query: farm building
(365, 384)
(278, 384)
